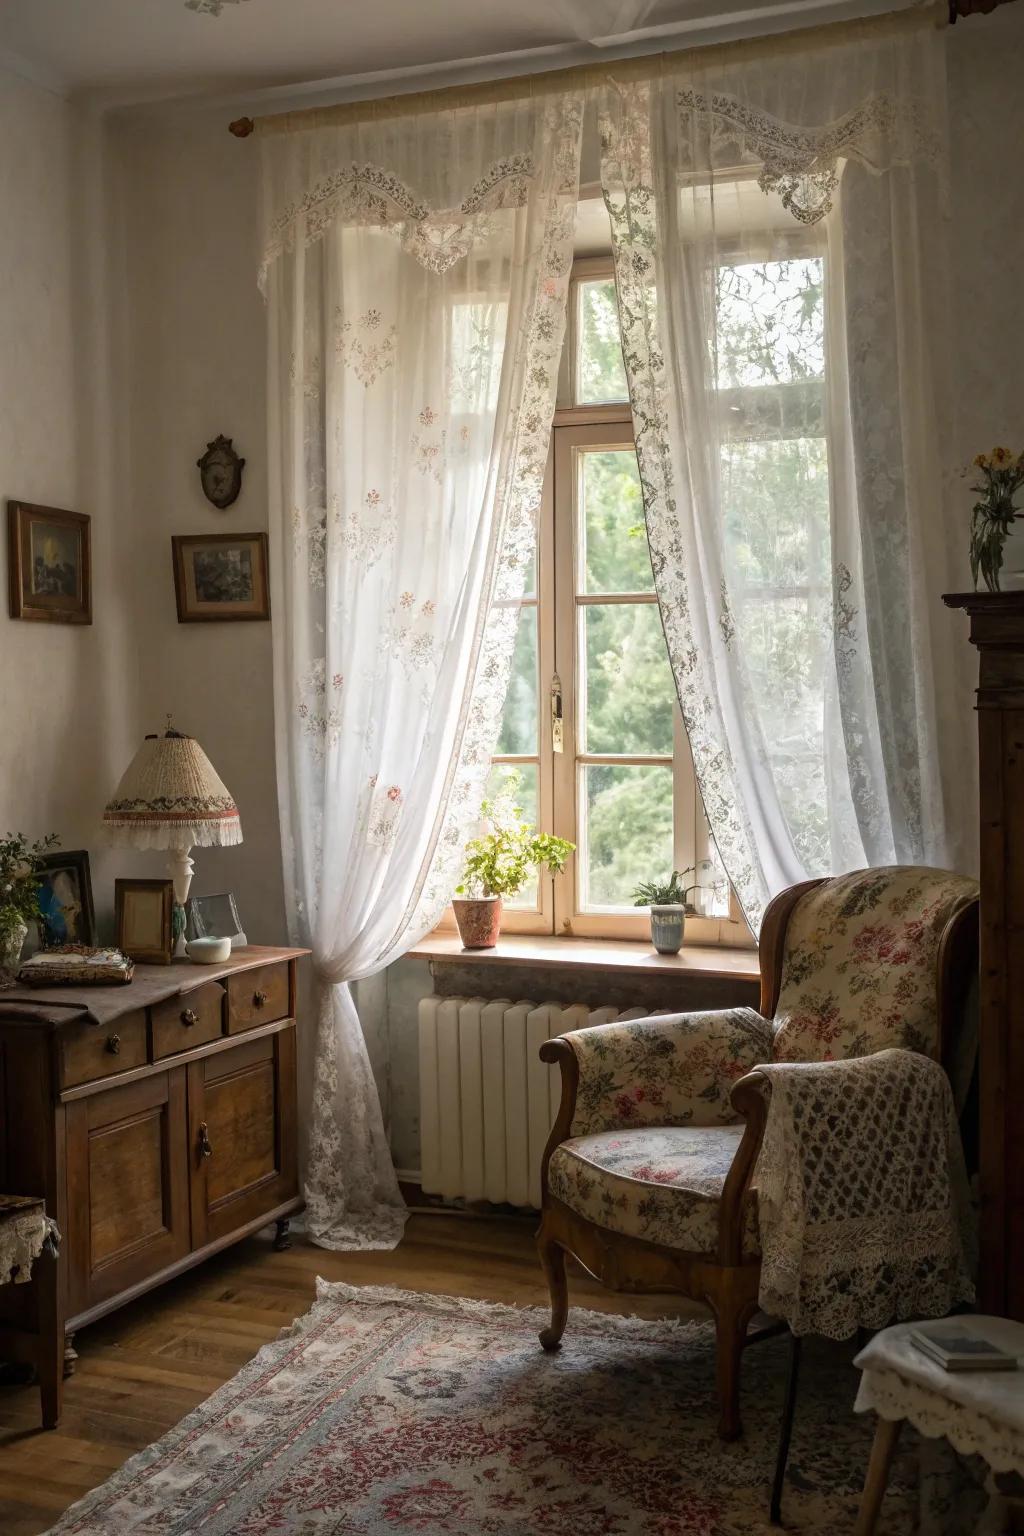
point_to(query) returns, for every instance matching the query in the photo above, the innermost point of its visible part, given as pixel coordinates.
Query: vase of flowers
(498, 864)
(670, 904)
(994, 514)
(19, 894)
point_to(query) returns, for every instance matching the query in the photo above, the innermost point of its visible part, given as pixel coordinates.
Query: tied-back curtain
(416, 272)
(778, 237)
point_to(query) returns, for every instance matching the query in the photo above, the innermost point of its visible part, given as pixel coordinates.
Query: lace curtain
(416, 272)
(776, 222)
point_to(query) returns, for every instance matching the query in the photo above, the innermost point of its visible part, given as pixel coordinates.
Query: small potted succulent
(19, 893)
(670, 904)
(498, 864)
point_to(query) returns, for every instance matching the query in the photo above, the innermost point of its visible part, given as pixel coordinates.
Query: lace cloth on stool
(862, 1194)
(22, 1239)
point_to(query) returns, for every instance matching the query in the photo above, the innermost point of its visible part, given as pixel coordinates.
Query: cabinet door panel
(241, 1106)
(128, 1213)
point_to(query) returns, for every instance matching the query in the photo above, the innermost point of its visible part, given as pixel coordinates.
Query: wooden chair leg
(887, 1434)
(785, 1431)
(552, 1259)
(730, 1333)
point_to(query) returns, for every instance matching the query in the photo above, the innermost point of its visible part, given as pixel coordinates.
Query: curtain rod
(581, 76)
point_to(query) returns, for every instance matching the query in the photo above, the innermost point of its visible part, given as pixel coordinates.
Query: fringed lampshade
(170, 797)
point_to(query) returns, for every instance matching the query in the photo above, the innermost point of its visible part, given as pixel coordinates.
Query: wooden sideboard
(997, 629)
(158, 1122)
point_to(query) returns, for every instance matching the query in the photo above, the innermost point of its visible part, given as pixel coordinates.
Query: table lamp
(170, 797)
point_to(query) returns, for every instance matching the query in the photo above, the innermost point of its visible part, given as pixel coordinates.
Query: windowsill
(628, 955)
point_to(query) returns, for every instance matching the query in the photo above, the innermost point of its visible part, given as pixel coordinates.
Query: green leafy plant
(668, 893)
(19, 885)
(499, 862)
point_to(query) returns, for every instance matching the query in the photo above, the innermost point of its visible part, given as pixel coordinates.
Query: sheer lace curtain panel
(776, 216)
(416, 272)
(777, 225)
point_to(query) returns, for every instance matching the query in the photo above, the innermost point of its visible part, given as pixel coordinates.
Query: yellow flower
(981, 460)
(1001, 456)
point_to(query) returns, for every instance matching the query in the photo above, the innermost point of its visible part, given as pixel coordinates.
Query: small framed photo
(220, 576)
(144, 909)
(216, 917)
(66, 913)
(49, 564)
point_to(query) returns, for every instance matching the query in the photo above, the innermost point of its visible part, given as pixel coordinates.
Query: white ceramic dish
(208, 951)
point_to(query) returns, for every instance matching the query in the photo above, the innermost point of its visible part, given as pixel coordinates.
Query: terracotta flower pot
(479, 920)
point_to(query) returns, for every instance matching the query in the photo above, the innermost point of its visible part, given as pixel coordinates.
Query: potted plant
(19, 893)
(498, 864)
(993, 516)
(670, 907)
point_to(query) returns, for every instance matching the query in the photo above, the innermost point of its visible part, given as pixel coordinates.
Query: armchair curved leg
(552, 1259)
(730, 1335)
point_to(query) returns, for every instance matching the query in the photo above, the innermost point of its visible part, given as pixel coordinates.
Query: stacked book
(961, 1350)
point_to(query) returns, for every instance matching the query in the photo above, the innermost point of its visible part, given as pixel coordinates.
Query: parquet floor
(141, 1369)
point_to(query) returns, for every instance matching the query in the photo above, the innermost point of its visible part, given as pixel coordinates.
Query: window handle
(557, 737)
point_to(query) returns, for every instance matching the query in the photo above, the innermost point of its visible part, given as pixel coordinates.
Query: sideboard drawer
(257, 997)
(89, 1051)
(193, 1018)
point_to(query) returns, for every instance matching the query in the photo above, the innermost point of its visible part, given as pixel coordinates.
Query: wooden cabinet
(157, 1121)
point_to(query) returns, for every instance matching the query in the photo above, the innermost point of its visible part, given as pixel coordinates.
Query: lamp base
(180, 867)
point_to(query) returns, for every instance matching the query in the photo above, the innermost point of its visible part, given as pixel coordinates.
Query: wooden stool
(978, 1412)
(26, 1233)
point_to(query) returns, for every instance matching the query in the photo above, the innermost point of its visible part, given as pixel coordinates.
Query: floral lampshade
(170, 797)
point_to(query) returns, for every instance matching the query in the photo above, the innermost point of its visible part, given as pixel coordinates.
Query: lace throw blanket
(863, 1202)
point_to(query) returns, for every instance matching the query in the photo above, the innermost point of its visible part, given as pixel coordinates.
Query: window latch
(557, 740)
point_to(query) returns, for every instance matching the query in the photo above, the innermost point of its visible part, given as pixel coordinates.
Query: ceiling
(117, 53)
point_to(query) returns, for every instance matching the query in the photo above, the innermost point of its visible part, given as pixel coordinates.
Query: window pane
(776, 513)
(600, 374)
(519, 722)
(629, 687)
(627, 831)
(770, 323)
(615, 556)
(527, 799)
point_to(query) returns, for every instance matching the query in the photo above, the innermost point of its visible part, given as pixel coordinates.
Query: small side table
(978, 1412)
(25, 1232)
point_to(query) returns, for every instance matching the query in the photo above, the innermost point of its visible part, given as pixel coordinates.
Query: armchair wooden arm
(560, 1051)
(749, 1099)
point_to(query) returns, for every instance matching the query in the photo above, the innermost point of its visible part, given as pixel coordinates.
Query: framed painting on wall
(220, 576)
(49, 564)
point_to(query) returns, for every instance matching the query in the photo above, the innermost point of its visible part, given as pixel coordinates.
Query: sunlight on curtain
(775, 225)
(416, 272)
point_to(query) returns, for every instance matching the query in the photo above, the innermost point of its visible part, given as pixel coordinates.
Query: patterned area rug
(383, 1413)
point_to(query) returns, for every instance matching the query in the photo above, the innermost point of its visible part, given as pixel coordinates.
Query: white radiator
(487, 1101)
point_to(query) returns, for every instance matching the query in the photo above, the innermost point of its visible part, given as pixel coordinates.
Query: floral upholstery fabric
(663, 1185)
(677, 1069)
(859, 970)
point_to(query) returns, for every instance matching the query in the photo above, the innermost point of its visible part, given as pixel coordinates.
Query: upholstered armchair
(650, 1174)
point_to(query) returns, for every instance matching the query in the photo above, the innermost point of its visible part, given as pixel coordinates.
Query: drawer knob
(188, 1018)
(258, 999)
(114, 1044)
(205, 1150)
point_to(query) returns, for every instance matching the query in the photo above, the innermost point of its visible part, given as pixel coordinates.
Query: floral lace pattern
(412, 482)
(860, 964)
(23, 1236)
(676, 1069)
(663, 1185)
(863, 1196)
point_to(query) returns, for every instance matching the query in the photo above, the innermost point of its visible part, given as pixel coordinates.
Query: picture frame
(216, 917)
(144, 909)
(49, 564)
(66, 912)
(220, 576)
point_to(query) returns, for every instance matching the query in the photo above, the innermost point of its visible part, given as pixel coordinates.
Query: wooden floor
(144, 1367)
